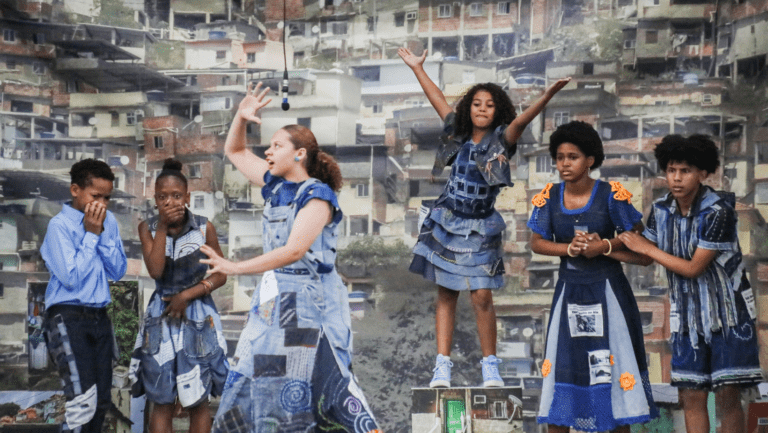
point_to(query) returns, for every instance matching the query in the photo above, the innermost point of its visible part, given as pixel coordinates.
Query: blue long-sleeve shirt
(80, 262)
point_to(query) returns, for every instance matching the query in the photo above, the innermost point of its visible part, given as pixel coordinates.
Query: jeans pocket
(153, 335)
(199, 337)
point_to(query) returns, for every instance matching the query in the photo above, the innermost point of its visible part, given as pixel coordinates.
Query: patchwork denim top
(182, 256)
(278, 218)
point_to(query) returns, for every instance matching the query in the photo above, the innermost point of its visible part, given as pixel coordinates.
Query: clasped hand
(586, 244)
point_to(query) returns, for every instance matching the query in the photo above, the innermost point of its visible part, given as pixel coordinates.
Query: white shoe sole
(440, 384)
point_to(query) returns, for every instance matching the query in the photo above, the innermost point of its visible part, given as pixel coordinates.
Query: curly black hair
(583, 136)
(504, 114)
(172, 167)
(697, 150)
(83, 172)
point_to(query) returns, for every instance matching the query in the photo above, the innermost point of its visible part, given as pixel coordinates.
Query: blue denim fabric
(270, 386)
(81, 344)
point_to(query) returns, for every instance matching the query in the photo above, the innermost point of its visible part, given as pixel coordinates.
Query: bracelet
(208, 286)
(610, 247)
(568, 251)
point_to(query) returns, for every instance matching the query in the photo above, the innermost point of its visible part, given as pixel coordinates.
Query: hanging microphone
(285, 105)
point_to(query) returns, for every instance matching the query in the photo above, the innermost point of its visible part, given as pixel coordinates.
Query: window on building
(158, 139)
(479, 399)
(81, 119)
(227, 103)
(651, 37)
(661, 103)
(521, 229)
(358, 225)
(646, 318)
(361, 189)
(199, 202)
(444, 11)
(589, 68)
(195, 171)
(38, 38)
(115, 118)
(305, 122)
(399, 19)
(504, 8)
(368, 73)
(371, 23)
(544, 164)
(10, 65)
(706, 98)
(499, 409)
(376, 108)
(762, 153)
(2, 287)
(630, 44)
(72, 86)
(251, 57)
(561, 118)
(9, 35)
(225, 80)
(38, 68)
(221, 55)
(130, 118)
(339, 28)
(116, 183)
(761, 193)
(476, 9)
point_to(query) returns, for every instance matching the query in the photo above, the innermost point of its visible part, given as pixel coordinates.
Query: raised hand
(557, 86)
(253, 102)
(95, 213)
(411, 59)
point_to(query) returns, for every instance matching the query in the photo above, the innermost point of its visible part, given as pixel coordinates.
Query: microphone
(285, 104)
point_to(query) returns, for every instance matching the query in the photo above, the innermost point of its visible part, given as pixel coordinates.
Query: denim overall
(185, 358)
(291, 367)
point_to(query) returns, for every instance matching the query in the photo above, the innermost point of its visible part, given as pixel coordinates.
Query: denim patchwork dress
(460, 241)
(185, 358)
(595, 372)
(291, 370)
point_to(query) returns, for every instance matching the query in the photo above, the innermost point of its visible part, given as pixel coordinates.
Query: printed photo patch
(599, 366)
(269, 365)
(305, 337)
(585, 320)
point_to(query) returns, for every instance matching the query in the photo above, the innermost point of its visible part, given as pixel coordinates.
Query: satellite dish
(281, 24)
(124, 160)
(527, 332)
(315, 29)
(218, 195)
(93, 121)
(407, 147)
(437, 56)
(198, 118)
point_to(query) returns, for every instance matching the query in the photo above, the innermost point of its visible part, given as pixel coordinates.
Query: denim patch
(232, 421)
(288, 317)
(296, 397)
(232, 377)
(199, 337)
(265, 311)
(269, 365)
(306, 337)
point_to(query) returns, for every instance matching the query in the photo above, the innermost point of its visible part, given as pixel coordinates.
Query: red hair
(319, 164)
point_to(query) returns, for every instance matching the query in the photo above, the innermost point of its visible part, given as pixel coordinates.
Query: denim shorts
(731, 358)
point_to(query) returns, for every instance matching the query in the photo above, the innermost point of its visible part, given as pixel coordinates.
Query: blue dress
(291, 370)
(185, 358)
(460, 242)
(595, 372)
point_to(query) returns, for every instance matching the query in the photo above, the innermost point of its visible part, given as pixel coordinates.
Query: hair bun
(172, 164)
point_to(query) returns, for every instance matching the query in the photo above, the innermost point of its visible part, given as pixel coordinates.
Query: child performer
(294, 355)
(82, 251)
(180, 312)
(691, 232)
(459, 247)
(595, 373)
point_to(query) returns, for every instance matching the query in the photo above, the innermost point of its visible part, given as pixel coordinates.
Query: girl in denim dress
(460, 246)
(595, 372)
(291, 369)
(180, 349)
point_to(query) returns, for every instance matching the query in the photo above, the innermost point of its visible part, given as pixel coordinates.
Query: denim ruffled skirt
(460, 253)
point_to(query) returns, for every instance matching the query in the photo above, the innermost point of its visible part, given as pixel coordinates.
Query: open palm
(253, 102)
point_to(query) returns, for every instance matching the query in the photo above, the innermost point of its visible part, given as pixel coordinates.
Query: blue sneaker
(491, 376)
(442, 377)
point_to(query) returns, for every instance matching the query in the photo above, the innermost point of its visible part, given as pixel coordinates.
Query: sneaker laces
(442, 363)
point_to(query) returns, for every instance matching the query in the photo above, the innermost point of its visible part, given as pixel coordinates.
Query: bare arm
(153, 249)
(517, 127)
(539, 245)
(687, 268)
(253, 167)
(309, 222)
(434, 94)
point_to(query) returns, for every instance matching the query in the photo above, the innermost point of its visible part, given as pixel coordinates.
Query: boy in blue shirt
(691, 232)
(82, 251)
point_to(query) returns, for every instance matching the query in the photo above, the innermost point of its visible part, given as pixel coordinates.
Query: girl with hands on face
(595, 373)
(180, 310)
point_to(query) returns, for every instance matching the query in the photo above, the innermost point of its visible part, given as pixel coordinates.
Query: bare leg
(695, 409)
(551, 428)
(200, 419)
(622, 429)
(161, 420)
(485, 314)
(445, 318)
(728, 402)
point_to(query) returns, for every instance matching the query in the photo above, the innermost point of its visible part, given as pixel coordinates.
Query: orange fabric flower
(627, 381)
(611, 359)
(546, 367)
(540, 199)
(621, 193)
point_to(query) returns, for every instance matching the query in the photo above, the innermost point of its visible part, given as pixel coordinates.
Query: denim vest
(182, 256)
(277, 222)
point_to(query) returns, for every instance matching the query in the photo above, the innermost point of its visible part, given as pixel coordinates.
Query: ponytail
(319, 164)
